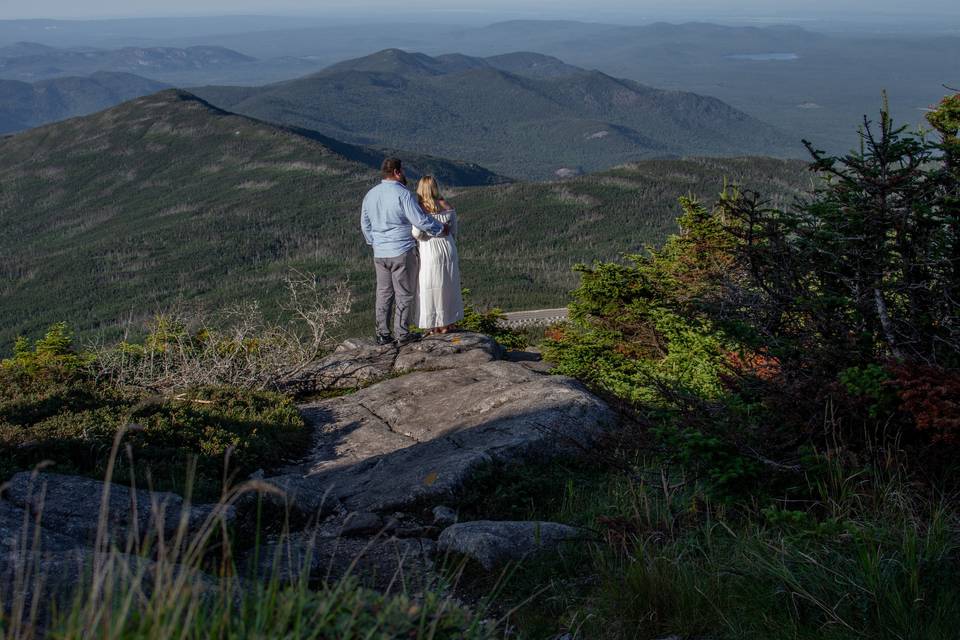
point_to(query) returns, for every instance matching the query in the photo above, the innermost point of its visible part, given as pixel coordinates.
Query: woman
(441, 304)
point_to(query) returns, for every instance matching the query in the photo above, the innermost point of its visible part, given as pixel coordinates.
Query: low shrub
(237, 347)
(930, 396)
(489, 322)
(794, 371)
(753, 318)
(54, 409)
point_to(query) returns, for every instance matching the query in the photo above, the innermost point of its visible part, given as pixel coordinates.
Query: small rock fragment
(444, 516)
(361, 524)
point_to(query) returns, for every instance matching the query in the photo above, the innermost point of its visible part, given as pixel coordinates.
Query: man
(387, 218)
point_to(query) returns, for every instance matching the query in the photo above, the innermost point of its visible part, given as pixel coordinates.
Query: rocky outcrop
(34, 583)
(416, 439)
(48, 534)
(410, 443)
(493, 544)
(374, 490)
(73, 506)
(359, 362)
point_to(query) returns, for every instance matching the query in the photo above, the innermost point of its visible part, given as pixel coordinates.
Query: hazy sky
(10, 9)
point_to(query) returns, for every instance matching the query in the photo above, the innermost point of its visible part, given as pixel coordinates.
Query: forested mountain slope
(523, 115)
(163, 199)
(24, 105)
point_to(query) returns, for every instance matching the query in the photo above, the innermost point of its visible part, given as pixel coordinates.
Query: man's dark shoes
(384, 340)
(407, 339)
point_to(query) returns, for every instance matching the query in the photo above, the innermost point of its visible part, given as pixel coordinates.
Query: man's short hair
(389, 166)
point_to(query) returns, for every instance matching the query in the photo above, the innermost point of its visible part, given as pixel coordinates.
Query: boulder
(379, 563)
(414, 440)
(71, 506)
(359, 362)
(19, 533)
(493, 544)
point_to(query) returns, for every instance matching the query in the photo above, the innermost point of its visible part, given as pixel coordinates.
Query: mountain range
(168, 200)
(194, 64)
(24, 105)
(818, 88)
(522, 114)
(811, 85)
(31, 61)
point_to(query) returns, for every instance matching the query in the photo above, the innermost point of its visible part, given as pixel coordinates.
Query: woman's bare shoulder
(444, 205)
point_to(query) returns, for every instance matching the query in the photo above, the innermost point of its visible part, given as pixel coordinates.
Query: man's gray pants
(396, 286)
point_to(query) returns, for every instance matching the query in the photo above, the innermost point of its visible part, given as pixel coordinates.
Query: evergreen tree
(868, 267)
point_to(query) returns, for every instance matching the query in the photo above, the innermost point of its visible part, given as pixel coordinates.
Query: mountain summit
(522, 114)
(404, 63)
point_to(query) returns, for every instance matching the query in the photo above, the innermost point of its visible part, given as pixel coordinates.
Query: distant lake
(764, 56)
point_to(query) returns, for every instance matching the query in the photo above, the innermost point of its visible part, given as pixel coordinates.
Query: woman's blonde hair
(428, 193)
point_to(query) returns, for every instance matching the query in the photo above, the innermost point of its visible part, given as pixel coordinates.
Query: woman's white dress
(439, 300)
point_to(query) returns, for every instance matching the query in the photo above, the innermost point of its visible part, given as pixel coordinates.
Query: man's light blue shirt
(388, 216)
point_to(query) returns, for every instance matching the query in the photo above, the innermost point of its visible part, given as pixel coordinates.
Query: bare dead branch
(237, 347)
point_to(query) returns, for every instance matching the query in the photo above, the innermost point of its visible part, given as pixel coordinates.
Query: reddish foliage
(931, 396)
(758, 365)
(556, 334)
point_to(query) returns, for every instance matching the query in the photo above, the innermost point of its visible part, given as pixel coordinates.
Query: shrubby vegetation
(54, 407)
(792, 374)
(237, 347)
(489, 322)
(193, 389)
(744, 327)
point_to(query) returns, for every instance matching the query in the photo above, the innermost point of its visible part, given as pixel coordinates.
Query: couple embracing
(414, 250)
